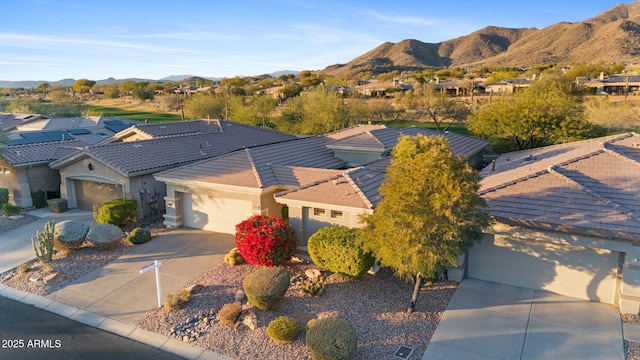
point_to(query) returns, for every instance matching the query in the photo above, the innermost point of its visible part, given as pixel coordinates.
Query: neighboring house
(319, 188)
(103, 172)
(508, 86)
(168, 129)
(25, 169)
(382, 88)
(567, 220)
(10, 122)
(91, 130)
(342, 199)
(612, 85)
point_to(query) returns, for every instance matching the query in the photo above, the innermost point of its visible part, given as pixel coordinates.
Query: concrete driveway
(487, 320)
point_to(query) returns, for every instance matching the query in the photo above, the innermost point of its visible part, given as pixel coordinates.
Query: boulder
(105, 236)
(70, 234)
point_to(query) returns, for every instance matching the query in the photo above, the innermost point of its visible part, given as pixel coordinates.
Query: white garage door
(89, 193)
(207, 212)
(572, 271)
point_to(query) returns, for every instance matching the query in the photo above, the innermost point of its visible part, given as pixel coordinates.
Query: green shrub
(57, 205)
(4, 196)
(229, 313)
(176, 301)
(39, 199)
(283, 329)
(117, 212)
(335, 248)
(139, 236)
(265, 287)
(10, 210)
(332, 339)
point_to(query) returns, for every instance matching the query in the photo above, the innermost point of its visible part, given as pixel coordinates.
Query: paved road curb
(171, 345)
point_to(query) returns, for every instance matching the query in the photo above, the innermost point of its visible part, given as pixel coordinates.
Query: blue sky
(55, 39)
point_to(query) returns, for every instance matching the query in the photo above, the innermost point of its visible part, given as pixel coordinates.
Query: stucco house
(320, 179)
(106, 171)
(567, 220)
(25, 169)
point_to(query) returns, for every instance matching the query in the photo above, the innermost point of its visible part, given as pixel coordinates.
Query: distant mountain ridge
(613, 35)
(68, 82)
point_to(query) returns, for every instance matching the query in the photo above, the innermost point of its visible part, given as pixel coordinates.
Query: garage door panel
(572, 271)
(89, 193)
(208, 212)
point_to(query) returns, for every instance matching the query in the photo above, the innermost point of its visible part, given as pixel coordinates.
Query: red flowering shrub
(265, 240)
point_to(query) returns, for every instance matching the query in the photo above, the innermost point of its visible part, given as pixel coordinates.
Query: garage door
(572, 271)
(207, 212)
(89, 193)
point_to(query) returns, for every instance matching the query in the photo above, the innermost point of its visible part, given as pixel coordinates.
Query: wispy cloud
(36, 41)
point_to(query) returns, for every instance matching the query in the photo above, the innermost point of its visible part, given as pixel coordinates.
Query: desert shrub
(229, 313)
(10, 210)
(117, 212)
(139, 236)
(39, 199)
(24, 268)
(283, 329)
(4, 196)
(265, 287)
(233, 258)
(57, 205)
(314, 287)
(332, 339)
(335, 248)
(177, 300)
(265, 240)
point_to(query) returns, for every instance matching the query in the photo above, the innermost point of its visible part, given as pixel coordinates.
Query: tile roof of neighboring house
(355, 188)
(361, 185)
(589, 187)
(41, 153)
(148, 156)
(264, 166)
(91, 129)
(354, 130)
(385, 138)
(182, 128)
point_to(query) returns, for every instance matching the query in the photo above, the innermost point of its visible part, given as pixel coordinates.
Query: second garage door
(207, 212)
(567, 270)
(89, 193)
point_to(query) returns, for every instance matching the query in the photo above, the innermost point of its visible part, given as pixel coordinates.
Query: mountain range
(613, 35)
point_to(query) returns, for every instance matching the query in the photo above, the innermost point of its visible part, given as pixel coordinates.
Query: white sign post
(154, 265)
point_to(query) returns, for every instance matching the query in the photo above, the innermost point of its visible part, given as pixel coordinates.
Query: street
(27, 332)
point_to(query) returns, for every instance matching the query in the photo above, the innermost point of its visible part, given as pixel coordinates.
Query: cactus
(313, 287)
(233, 257)
(44, 247)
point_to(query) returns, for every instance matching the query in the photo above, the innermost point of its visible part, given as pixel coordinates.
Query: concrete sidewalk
(120, 292)
(487, 320)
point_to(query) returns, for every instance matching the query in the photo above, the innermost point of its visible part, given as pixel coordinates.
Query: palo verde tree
(430, 105)
(430, 211)
(547, 112)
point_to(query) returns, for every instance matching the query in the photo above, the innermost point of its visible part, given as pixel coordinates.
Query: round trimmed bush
(265, 287)
(283, 329)
(139, 236)
(332, 339)
(265, 240)
(335, 248)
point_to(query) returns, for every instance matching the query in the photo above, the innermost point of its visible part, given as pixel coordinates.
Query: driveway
(487, 320)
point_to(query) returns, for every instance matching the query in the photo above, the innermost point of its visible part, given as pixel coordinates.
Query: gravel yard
(8, 224)
(375, 305)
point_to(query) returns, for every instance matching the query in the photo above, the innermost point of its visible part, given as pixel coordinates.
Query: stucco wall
(9, 181)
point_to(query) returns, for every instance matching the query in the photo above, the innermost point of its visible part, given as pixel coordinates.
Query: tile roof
(264, 166)
(385, 138)
(40, 153)
(182, 128)
(588, 187)
(148, 156)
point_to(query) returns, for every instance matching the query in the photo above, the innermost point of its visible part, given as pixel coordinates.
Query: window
(5, 170)
(336, 214)
(318, 212)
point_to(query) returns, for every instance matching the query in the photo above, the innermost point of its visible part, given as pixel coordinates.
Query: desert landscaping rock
(105, 236)
(70, 234)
